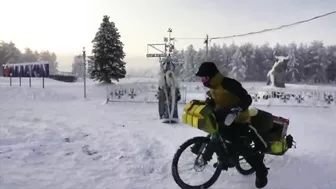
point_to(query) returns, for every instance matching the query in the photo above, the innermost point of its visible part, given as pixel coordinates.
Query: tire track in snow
(140, 158)
(277, 163)
(131, 155)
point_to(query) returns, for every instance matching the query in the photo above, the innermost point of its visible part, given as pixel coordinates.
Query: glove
(222, 114)
(230, 117)
(236, 111)
(197, 101)
(178, 95)
(210, 102)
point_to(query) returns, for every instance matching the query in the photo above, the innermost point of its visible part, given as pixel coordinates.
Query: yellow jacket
(228, 93)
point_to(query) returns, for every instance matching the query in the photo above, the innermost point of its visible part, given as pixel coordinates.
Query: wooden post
(43, 80)
(30, 72)
(10, 79)
(84, 71)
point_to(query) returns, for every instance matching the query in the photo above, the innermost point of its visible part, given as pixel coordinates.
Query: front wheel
(198, 165)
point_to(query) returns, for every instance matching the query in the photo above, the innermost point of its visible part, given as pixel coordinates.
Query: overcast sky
(65, 26)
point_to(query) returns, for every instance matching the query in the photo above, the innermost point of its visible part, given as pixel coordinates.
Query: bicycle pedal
(223, 167)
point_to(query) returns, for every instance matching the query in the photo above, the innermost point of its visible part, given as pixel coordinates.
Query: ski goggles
(205, 79)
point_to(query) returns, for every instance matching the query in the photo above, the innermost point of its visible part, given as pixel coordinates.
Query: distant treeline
(309, 63)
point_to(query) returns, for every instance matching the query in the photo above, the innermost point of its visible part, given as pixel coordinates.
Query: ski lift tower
(162, 48)
(168, 95)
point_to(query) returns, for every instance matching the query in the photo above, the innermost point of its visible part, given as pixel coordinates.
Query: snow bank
(53, 90)
(15, 94)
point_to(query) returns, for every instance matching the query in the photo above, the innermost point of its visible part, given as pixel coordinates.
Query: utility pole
(206, 41)
(170, 45)
(84, 72)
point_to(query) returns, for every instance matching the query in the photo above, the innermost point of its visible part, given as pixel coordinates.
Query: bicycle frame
(218, 139)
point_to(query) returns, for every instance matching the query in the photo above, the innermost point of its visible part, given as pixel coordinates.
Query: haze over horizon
(64, 27)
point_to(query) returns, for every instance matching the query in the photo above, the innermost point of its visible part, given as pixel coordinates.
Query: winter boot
(257, 162)
(224, 166)
(261, 173)
(261, 179)
(195, 148)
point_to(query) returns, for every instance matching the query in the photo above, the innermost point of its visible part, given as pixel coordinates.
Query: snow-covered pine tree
(217, 55)
(51, 58)
(331, 70)
(238, 66)
(178, 59)
(248, 52)
(189, 67)
(317, 63)
(293, 65)
(77, 66)
(108, 54)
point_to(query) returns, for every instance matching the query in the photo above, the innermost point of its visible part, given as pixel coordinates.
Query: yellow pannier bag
(279, 147)
(200, 115)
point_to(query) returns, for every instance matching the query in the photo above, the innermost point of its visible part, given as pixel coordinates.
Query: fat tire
(177, 155)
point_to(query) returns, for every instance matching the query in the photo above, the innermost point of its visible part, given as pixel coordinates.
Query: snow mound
(33, 94)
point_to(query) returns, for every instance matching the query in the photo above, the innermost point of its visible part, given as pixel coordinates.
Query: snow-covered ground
(54, 139)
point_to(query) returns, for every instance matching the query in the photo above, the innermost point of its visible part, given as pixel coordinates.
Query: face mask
(206, 81)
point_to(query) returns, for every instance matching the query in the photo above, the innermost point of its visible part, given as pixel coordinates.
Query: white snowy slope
(53, 139)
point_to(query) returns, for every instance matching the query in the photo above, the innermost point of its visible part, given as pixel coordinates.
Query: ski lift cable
(265, 30)
(145, 73)
(189, 38)
(277, 28)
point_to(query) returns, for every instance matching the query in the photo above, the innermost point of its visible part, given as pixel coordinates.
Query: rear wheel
(243, 167)
(197, 164)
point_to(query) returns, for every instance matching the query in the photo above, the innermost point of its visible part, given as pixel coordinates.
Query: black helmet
(207, 69)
